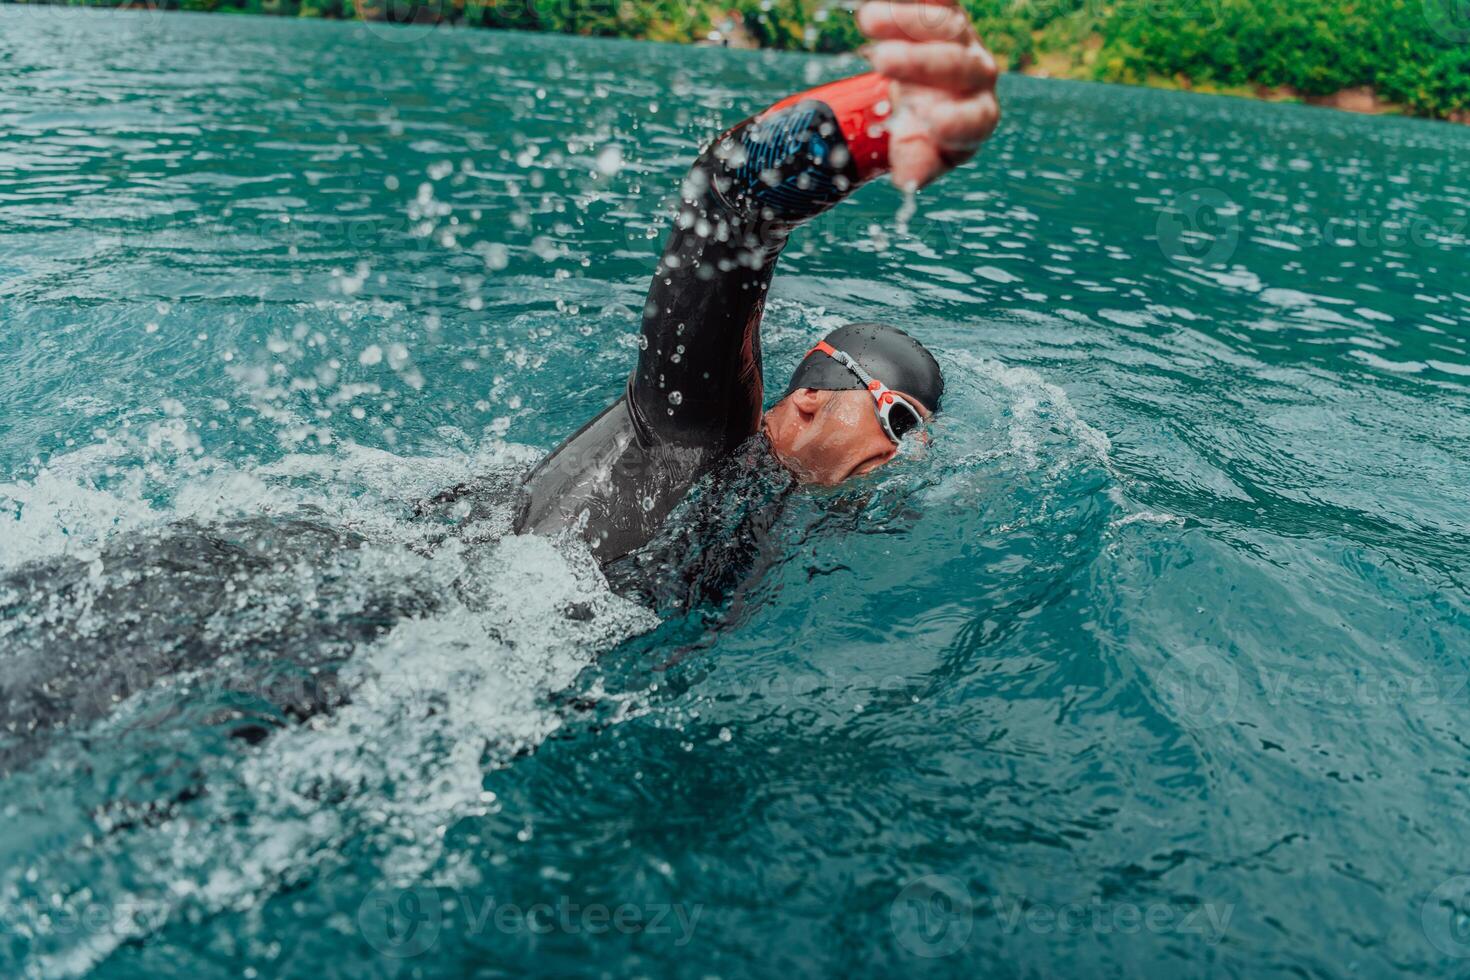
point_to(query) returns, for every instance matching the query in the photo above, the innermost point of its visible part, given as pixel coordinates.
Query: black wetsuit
(696, 394)
(75, 647)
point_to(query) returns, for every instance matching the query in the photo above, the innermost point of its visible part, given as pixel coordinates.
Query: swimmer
(692, 410)
(693, 404)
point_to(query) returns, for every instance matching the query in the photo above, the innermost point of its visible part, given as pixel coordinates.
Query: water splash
(425, 705)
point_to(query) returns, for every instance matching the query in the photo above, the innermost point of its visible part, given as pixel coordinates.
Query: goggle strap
(846, 360)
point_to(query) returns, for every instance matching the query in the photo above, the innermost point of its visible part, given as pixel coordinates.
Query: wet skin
(826, 437)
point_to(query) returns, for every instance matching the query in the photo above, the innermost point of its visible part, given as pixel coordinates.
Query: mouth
(873, 464)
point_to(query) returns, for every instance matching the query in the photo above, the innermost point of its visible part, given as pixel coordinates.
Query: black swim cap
(885, 352)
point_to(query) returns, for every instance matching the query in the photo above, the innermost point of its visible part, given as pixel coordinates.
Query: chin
(828, 478)
(807, 475)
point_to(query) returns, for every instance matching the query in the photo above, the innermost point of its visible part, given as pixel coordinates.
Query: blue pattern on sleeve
(790, 144)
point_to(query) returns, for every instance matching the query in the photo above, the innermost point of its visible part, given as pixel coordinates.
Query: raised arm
(697, 386)
(696, 391)
(698, 380)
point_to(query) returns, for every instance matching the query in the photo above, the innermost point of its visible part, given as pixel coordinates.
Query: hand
(942, 85)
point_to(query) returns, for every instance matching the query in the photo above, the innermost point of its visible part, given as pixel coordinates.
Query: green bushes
(1415, 53)
(799, 24)
(1316, 47)
(1401, 48)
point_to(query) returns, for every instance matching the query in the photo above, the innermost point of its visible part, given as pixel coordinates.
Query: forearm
(860, 106)
(698, 375)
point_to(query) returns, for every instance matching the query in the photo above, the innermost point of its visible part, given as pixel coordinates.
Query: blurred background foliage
(1412, 53)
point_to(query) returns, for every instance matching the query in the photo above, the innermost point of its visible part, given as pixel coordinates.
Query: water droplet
(906, 211)
(676, 398)
(610, 160)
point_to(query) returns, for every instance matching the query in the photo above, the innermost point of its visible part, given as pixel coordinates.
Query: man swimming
(692, 410)
(695, 399)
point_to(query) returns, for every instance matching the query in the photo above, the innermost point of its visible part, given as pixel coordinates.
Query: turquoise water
(1155, 663)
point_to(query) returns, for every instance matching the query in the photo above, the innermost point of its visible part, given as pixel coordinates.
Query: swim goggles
(896, 414)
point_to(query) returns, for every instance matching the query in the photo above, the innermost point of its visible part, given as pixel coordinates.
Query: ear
(807, 401)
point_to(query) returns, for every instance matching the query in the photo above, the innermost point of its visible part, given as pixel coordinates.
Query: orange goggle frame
(896, 414)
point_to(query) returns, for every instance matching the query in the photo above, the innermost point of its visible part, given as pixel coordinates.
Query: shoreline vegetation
(1409, 57)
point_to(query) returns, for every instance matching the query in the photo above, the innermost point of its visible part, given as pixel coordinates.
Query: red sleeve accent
(862, 107)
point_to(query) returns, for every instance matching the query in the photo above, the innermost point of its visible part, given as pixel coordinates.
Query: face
(826, 437)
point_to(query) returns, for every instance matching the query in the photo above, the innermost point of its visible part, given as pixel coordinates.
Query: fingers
(943, 84)
(933, 132)
(958, 126)
(914, 163)
(936, 64)
(883, 20)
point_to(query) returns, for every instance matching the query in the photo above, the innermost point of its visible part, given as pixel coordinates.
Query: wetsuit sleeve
(697, 385)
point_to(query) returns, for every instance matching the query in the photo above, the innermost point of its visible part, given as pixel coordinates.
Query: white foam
(433, 703)
(1036, 406)
(1146, 517)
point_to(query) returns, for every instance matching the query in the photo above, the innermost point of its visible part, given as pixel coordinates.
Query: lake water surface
(1153, 665)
